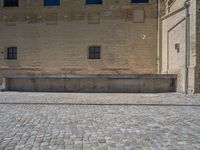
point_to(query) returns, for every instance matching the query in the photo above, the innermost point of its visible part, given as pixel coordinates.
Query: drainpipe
(187, 21)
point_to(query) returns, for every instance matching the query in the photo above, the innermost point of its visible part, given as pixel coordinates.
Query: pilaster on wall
(174, 61)
(161, 13)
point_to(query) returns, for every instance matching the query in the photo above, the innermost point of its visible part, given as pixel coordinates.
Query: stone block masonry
(174, 33)
(56, 39)
(92, 83)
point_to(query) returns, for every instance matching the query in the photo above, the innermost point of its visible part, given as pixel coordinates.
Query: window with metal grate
(11, 3)
(94, 52)
(139, 1)
(12, 53)
(94, 2)
(51, 2)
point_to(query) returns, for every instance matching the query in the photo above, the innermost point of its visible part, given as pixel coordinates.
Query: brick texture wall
(56, 39)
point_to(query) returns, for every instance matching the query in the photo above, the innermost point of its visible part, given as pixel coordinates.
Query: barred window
(139, 1)
(94, 1)
(12, 53)
(11, 3)
(94, 52)
(51, 2)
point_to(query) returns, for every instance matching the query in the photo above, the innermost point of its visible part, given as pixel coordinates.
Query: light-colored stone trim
(172, 13)
(116, 76)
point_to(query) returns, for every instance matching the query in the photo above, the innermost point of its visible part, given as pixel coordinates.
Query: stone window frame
(101, 3)
(143, 3)
(7, 53)
(135, 20)
(100, 52)
(10, 6)
(55, 5)
(130, 15)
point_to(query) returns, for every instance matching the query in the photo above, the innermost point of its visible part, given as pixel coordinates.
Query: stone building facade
(73, 45)
(180, 29)
(55, 39)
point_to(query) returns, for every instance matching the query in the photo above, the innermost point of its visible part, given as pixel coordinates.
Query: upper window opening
(139, 1)
(51, 2)
(94, 1)
(11, 3)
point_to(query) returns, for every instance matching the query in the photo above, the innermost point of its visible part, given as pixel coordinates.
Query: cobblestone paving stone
(99, 98)
(98, 127)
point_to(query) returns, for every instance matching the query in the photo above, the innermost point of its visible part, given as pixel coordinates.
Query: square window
(94, 2)
(139, 1)
(51, 2)
(12, 53)
(11, 3)
(94, 52)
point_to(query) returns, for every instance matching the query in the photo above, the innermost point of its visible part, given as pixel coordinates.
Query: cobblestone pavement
(99, 98)
(101, 127)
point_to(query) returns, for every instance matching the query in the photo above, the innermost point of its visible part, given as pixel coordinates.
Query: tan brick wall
(56, 39)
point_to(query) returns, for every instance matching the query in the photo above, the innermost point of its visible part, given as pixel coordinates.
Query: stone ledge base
(93, 83)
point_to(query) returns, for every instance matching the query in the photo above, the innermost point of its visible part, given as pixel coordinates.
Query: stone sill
(87, 76)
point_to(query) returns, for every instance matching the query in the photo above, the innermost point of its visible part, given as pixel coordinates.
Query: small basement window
(51, 2)
(139, 1)
(88, 2)
(11, 3)
(94, 52)
(12, 53)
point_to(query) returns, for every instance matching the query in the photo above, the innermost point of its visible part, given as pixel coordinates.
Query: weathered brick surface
(56, 39)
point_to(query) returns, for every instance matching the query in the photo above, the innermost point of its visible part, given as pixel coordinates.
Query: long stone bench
(126, 83)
